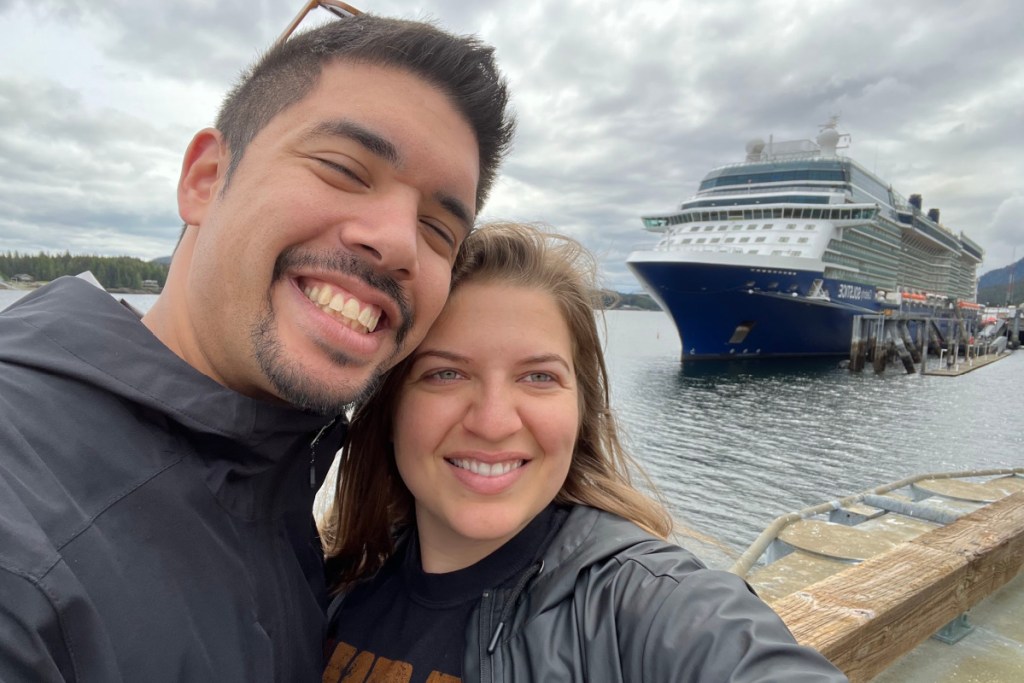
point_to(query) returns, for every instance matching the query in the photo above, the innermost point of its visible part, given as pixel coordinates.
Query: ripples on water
(734, 445)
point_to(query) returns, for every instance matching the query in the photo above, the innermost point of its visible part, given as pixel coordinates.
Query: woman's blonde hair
(371, 502)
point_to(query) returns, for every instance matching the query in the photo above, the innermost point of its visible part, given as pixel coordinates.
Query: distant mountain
(993, 286)
(162, 260)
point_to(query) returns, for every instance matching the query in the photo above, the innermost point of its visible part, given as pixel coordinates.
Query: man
(156, 477)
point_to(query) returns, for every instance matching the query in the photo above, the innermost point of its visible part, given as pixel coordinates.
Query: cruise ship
(775, 255)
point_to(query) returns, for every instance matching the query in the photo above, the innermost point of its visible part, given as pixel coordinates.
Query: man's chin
(327, 386)
(313, 393)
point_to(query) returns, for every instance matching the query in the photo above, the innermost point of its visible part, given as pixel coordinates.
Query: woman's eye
(540, 377)
(444, 375)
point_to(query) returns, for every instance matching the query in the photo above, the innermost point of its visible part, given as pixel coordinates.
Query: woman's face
(486, 422)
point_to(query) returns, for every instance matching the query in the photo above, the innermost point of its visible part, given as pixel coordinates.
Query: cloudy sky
(623, 106)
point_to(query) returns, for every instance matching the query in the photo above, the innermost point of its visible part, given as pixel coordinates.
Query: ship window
(687, 240)
(715, 240)
(776, 252)
(783, 239)
(803, 240)
(752, 226)
(791, 226)
(695, 228)
(701, 240)
(766, 226)
(708, 228)
(809, 226)
(816, 213)
(787, 212)
(729, 240)
(723, 227)
(748, 214)
(752, 251)
(759, 239)
(793, 287)
(744, 239)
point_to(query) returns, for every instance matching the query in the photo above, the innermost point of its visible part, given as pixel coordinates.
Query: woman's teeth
(487, 470)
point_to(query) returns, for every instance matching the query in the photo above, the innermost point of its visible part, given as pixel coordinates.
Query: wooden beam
(866, 617)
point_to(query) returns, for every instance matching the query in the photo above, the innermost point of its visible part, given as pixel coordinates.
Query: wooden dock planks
(866, 617)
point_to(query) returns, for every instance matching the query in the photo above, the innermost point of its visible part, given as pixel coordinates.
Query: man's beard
(296, 384)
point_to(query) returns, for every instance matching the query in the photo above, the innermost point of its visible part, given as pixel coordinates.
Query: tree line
(1002, 294)
(113, 272)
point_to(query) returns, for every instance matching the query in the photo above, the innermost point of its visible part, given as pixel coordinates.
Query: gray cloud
(623, 107)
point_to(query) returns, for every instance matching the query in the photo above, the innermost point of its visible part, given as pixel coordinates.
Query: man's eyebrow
(374, 143)
(456, 208)
(383, 148)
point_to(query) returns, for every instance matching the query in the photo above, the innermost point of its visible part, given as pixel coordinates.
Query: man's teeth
(486, 470)
(348, 311)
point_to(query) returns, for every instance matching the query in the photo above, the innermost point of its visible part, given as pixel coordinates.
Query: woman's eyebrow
(547, 358)
(440, 353)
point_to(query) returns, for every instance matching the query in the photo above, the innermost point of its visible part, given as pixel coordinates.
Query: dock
(870, 578)
(926, 344)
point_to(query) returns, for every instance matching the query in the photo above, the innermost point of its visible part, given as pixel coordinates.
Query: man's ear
(202, 170)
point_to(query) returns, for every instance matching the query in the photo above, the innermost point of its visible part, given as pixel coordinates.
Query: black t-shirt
(406, 625)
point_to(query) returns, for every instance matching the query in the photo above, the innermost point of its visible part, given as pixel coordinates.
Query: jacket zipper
(483, 638)
(312, 452)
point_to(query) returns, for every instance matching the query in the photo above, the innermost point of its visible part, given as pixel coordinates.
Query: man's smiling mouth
(343, 307)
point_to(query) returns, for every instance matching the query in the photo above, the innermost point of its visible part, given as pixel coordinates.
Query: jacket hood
(73, 329)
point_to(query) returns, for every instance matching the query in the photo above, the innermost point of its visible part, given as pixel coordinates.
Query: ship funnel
(933, 215)
(915, 201)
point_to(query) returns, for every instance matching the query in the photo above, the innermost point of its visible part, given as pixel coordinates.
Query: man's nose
(387, 235)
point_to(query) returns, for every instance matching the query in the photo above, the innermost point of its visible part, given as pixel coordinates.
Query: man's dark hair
(462, 67)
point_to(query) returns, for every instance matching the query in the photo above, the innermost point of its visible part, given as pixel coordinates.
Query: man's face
(329, 254)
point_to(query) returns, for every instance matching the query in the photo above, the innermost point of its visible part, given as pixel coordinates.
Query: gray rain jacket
(148, 515)
(609, 602)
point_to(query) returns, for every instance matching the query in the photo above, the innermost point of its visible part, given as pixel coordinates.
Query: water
(732, 446)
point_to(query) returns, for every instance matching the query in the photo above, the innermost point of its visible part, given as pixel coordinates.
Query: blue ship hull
(725, 312)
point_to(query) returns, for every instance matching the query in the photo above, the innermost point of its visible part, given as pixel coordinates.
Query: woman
(485, 525)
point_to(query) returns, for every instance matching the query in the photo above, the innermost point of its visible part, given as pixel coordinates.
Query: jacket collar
(73, 329)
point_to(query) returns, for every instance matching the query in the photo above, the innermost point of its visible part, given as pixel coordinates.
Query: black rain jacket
(154, 525)
(609, 602)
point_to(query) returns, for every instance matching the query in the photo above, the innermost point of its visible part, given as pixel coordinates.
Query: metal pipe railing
(751, 555)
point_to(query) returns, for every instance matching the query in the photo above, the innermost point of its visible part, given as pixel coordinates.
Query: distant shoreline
(29, 286)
